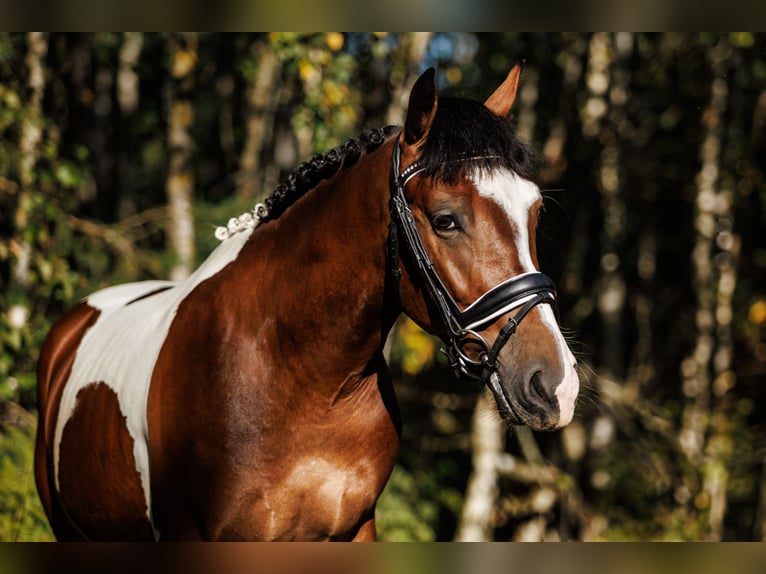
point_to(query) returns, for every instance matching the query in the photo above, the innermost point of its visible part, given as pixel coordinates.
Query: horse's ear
(421, 109)
(501, 100)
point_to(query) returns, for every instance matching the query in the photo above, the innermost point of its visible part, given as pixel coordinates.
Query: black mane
(322, 166)
(464, 136)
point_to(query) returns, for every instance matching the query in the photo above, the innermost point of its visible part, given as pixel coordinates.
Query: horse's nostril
(538, 387)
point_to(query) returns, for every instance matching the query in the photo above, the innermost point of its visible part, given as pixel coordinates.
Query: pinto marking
(122, 351)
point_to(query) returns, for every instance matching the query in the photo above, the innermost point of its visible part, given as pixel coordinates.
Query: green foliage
(412, 504)
(49, 265)
(21, 514)
(402, 515)
(330, 109)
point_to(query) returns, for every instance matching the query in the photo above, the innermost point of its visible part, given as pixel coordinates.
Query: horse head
(464, 204)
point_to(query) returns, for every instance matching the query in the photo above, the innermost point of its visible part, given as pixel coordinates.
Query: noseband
(522, 292)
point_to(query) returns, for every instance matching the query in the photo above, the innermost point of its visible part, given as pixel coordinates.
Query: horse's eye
(445, 222)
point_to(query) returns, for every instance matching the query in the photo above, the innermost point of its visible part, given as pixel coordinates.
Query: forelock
(465, 137)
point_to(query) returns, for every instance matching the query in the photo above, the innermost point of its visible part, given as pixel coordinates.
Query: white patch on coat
(122, 347)
(516, 196)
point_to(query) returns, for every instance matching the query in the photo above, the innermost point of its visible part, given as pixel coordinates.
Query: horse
(252, 400)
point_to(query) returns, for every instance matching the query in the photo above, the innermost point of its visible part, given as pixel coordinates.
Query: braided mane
(322, 166)
(306, 177)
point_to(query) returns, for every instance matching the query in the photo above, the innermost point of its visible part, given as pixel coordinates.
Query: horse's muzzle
(541, 398)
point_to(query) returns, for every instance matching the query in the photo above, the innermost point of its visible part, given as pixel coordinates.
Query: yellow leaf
(183, 63)
(417, 348)
(308, 72)
(334, 41)
(757, 313)
(454, 75)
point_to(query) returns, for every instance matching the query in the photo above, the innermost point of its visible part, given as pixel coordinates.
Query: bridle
(462, 327)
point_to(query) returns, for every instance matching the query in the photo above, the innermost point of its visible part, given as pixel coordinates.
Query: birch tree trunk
(481, 493)
(596, 117)
(261, 105)
(32, 127)
(128, 100)
(553, 149)
(526, 114)
(605, 81)
(29, 149)
(696, 368)
(127, 78)
(180, 181)
(727, 246)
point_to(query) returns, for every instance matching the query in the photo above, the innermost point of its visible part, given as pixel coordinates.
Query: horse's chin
(514, 412)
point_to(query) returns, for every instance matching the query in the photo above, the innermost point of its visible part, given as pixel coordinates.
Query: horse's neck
(320, 271)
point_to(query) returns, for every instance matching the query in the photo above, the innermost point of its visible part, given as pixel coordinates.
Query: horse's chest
(315, 499)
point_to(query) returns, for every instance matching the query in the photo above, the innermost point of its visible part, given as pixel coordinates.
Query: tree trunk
(605, 81)
(526, 115)
(261, 105)
(481, 494)
(696, 368)
(128, 100)
(727, 244)
(180, 180)
(596, 116)
(29, 149)
(554, 147)
(32, 127)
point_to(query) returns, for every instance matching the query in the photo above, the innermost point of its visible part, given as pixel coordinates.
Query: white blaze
(517, 196)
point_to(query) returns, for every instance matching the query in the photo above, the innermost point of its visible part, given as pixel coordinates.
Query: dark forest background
(120, 153)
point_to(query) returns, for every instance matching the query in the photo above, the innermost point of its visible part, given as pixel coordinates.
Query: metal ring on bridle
(463, 363)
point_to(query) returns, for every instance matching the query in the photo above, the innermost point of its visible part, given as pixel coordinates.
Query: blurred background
(120, 153)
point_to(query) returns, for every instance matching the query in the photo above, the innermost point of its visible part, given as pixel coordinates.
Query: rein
(470, 355)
